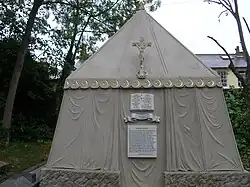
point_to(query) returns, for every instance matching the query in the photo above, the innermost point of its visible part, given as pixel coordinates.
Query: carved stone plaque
(141, 117)
(142, 141)
(142, 102)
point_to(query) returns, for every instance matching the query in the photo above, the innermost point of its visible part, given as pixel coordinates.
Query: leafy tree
(239, 115)
(18, 68)
(38, 24)
(231, 7)
(34, 110)
(11, 20)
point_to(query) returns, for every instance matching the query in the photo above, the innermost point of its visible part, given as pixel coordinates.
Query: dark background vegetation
(35, 105)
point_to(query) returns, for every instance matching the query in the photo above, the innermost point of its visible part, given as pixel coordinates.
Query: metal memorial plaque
(142, 141)
(142, 102)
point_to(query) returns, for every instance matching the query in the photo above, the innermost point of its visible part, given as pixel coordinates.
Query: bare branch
(246, 24)
(222, 13)
(231, 64)
(213, 1)
(227, 6)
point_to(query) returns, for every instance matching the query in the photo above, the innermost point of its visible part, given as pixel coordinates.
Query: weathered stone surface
(78, 178)
(202, 179)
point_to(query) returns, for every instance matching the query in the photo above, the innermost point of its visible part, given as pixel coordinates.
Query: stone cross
(141, 45)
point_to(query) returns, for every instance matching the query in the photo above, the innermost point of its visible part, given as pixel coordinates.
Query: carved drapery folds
(183, 132)
(97, 125)
(194, 133)
(219, 143)
(199, 134)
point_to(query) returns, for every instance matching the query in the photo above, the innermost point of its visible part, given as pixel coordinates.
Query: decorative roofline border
(146, 83)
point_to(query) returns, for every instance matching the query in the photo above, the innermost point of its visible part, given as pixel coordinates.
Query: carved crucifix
(141, 45)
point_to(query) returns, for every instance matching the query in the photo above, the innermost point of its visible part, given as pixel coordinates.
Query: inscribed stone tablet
(142, 101)
(142, 141)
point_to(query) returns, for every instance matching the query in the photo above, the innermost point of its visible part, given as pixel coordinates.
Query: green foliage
(11, 21)
(34, 110)
(21, 156)
(3, 174)
(239, 115)
(26, 129)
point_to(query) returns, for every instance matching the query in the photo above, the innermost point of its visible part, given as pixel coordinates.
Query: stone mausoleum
(143, 111)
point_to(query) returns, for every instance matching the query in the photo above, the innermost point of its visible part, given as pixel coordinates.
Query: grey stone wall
(211, 179)
(78, 178)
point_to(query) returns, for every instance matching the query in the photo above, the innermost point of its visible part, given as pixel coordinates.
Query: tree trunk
(69, 61)
(241, 35)
(247, 92)
(80, 38)
(18, 69)
(245, 52)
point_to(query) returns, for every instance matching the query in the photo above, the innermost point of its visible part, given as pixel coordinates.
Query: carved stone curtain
(87, 131)
(199, 135)
(194, 134)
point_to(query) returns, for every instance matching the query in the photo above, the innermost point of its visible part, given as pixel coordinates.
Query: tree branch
(222, 13)
(107, 27)
(246, 24)
(231, 64)
(4, 5)
(106, 10)
(98, 32)
(224, 4)
(58, 2)
(241, 35)
(213, 1)
(80, 38)
(229, 4)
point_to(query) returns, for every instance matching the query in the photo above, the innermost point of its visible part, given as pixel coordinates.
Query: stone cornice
(145, 83)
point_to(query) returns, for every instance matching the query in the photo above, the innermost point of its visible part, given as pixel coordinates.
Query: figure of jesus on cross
(141, 45)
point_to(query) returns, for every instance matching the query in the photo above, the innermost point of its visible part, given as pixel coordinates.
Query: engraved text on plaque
(142, 101)
(142, 141)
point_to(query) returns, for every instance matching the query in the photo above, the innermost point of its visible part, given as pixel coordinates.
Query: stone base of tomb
(78, 178)
(207, 179)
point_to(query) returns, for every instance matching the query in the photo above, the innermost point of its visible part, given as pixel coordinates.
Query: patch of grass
(22, 155)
